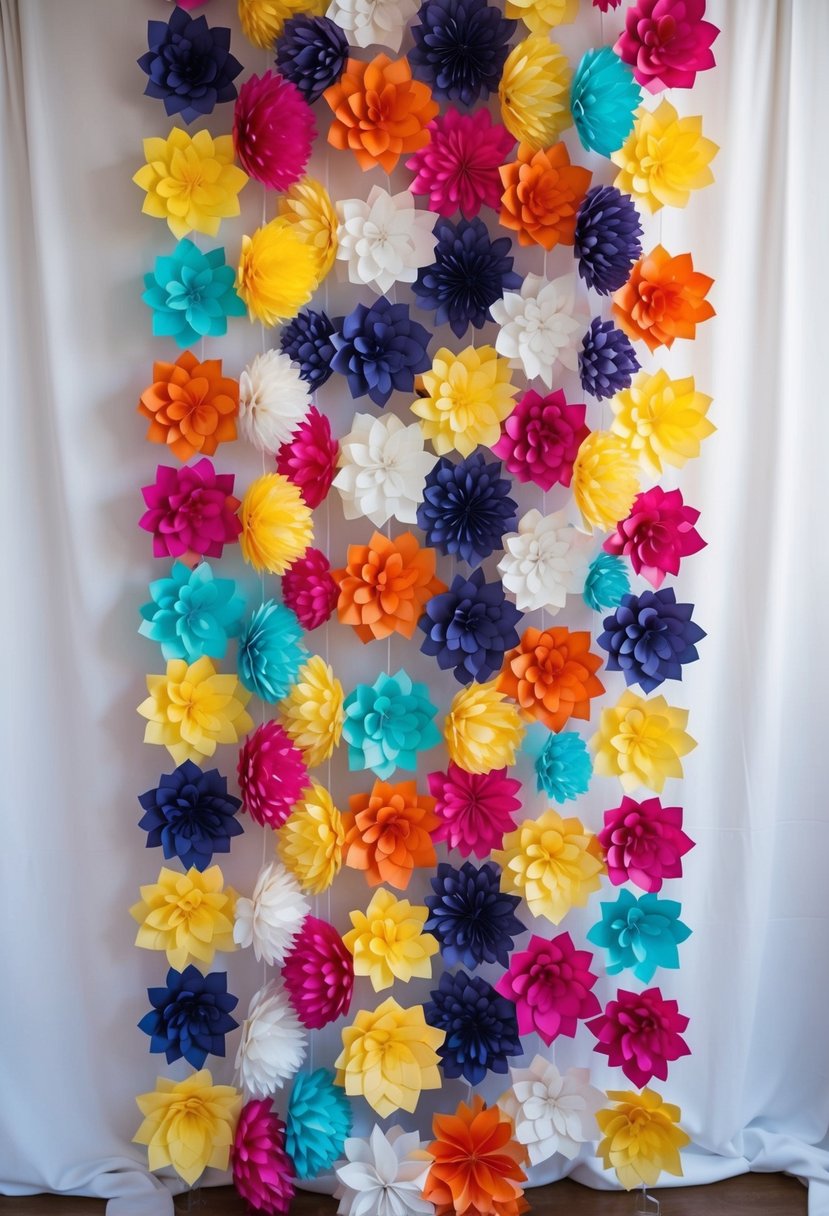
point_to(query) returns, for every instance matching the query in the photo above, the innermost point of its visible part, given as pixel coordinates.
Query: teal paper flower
(192, 614)
(607, 581)
(603, 99)
(387, 723)
(191, 294)
(317, 1124)
(640, 933)
(563, 767)
(270, 652)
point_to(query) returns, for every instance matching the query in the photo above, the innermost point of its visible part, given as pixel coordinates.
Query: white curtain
(76, 351)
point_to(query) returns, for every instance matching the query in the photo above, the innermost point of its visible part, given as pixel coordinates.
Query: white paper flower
(373, 22)
(273, 400)
(272, 1047)
(383, 467)
(384, 239)
(541, 326)
(383, 1175)
(270, 920)
(544, 561)
(552, 1113)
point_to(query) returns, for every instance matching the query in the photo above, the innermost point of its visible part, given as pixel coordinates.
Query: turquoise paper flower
(607, 581)
(192, 614)
(191, 294)
(317, 1123)
(387, 723)
(563, 767)
(270, 652)
(640, 933)
(603, 99)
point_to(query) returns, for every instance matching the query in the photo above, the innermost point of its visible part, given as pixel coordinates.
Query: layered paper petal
(385, 586)
(276, 524)
(552, 1112)
(272, 917)
(191, 294)
(481, 1029)
(317, 1123)
(318, 974)
(189, 65)
(466, 508)
(263, 1173)
(312, 840)
(465, 398)
(551, 674)
(272, 774)
(666, 42)
(478, 1166)
(534, 92)
(191, 406)
(191, 815)
(189, 916)
(657, 534)
(642, 934)
(650, 638)
(308, 209)
(379, 132)
(551, 984)
(312, 53)
(603, 99)
(190, 1016)
(383, 469)
(474, 809)
(540, 326)
(643, 843)
(191, 512)
(380, 349)
(544, 562)
(641, 1033)
(607, 360)
(541, 437)
(482, 729)
(312, 712)
(472, 919)
(664, 158)
(191, 613)
(388, 833)
(383, 239)
(388, 941)
(641, 741)
(191, 709)
(383, 1175)
(553, 863)
(273, 401)
(469, 627)
(662, 421)
(273, 129)
(309, 590)
(188, 1124)
(388, 723)
(458, 168)
(542, 195)
(389, 1057)
(664, 299)
(278, 272)
(642, 1137)
(605, 480)
(272, 1047)
(460, 47)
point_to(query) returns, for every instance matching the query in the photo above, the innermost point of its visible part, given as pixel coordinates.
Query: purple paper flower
(189, 65)
(607, 238)
(481, 1027)
(607, 360)
(191, 511)
(470, 272)
(471, 917)
(312, 53)
(380, 349)
(460, 48)
(469, 627)
(307, 340)
(190, 815)
(649, 638)
(466, 508)
(190, 1016)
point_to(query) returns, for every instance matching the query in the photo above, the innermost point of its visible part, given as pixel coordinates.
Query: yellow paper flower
(188, 1124)
(191, 181)
(541, 16)
(276, 524)
(465, 399)
(640, 741)
(189, 915)
(307, 207)
(553, 863)
(664, 158)
(262, 20)
(661, 420)
(535, 92)
(642, 1137)
(483, 729)
(389, 1056)
(311, 841)
(605, 480)
(193, 708)
(388, 941)
(277, 272)
(312, 713)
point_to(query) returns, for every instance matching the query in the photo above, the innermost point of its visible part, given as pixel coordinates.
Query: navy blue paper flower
(469, 627)
(191, 815)
(460, 48)
(191, 1016)
(649, 638)
(271, 652)
(312, 53)
(466, 508)
(607, 238)
(307, 340)
(470, 272)
(607, 361)
(189, 65)
(607, 581)
(471, 917)
(481, 1026)
(380, 349)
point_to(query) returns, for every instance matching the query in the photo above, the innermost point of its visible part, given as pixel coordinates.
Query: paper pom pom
(309, 590)
(319, 974)
(553, 863)
(641, 1137)
(273, 130)
(534, 92)
(308, 210)
(478, 1163)
(540, 326)
(276, 524)
(193, 708)
(270, 920)
(190, 1016)
(191, 815)
(607, 238)
(318, 1121)
(173, 178)
(472, 919)
(563, 767)
(541, 438)
(191, 406)
(603, 100)
(272, 1047)
(311, 53)
(663, 299)
(273, 401)
(550, 983)
(482, 729)
(388, 723)
(188, 1124)
(388, 942)
(542, 194)
(376, 23)
(385, 586)
(458, 168)
(271, 773)
(312, 841)
(380, 113)
(382, 470)
(642, 934)
(470, 272)
(191, 613)
(270, 652)
(306, 339)
(544, 562)
(312, 712)
(262, 1171)
(661, 420)
(641, 1033)
(388, 833)
(465, 398)
(641, 741)
(466, 508)
(607, 360)
(389, 1058)
(657, 534)
(650, 637)
(607, 581)
(480, 1027)
(189, 916)
(190, 511)
(383, 1175)
(277, 272)
(664, 158)
(605, 480)
(541, 16)
(191, 294)
(643, 843)
(379, 348)
(460, 48)
(667, 42)
(189, 65)
(552, 1113)
(469, 627)
(474, 809)
(552, 675)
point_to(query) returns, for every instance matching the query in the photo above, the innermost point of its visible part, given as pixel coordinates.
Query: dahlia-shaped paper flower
(312, 841)
(642, 1137)
(317, 1123)
(552, 1112)
(191, 406)
(190, 916)
(270, 920)
(191, 512)
(190, 1016)
(273, 130)
(191, 294)
(657, 534)
(607, 581)
(273, 401)
(466, 508)
(465, 398)
(193, 708)
(189, 65)
(641, 934)
(534, 90)
(309, 457)
(470, 272)
(483, 730)
(271, 652)
(563, 767)
(541, 16)
(277, 272)
(388, 942)
(383, 239)
(661, 420)
(272, 774)
(191, 613)
(188, 1124)
(306, 339)
(478, 1165)
(388, 833)
(650, 637)
(373, 22)
(643, 843)
(385, 586)
(544, 562)
(553, 863)
(641, 1033)
(190, 815)
(308, 209)
(603, 99)
(640, 741)
(551, 674)
(311, 53)
(190, 181)
(379, 349)
(460, 47)
(263, 1173)
(605, 480)
(474, 810)
(469, 627)
(541, 438)
(388, 723)
(318, 974)
(472, 919)
(480, 1027)
(542, 195)
(312, 712)
(383, 1175)
(663, 299)
(389, 1057)
(664, 158)
(262, 21)
(383, 468)
(380, 113)
(607, 238)
(272, 1046)
(540, 326)
(607, 360)
(309, 590)
(666, 42)
(276, 524)
(550, 983)
(458, 168)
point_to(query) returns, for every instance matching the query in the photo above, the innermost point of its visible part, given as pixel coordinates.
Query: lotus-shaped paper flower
(605, 480)
(465, 398)
(312, 54)
(563, 767)
(664, 158)
(483, 730)
(270, 920)
(189, 65)
(553, 863)
(661, 420)
(643, 843)
(541, 326)
(642, 1137)
(389, 1057)
(191, 815)
(188, 1124)
(193, 708)
(642, 934)
(603, 99)
(666, 42)
(312, 713)
(385, 586)
(534, 90)
(460, 48)
(607, 581)
(383, 1175)
(373, 22)
(480, 1026)
(541, 438)
(545, 561)
(272, 1047)
(640, 741)
(312, 841)
(466, 507)
(388, 723)
(472, 919)
(273, 130)
(470, 272)
(270, 652)
(190, 1016)
(191, 613)
(190, 181)
(469, 627)
(191, 406)
(474, 809)
(276, 524)
(379, 349)
(477, 1162)
(263, 1173)
(191, 294)
(552, 675)
(273, 401)
(191, 512)
(319, 974)
(458, 168)
(190, 916)
(552, 1112)
(607, 360)
(657, 534)
(309, 590)
(542, 195)
(384, 240)
(383, 468)
(641, 1033)
(388, 833)
(277, 272)
(308, 209)
(650, 637)
(272, 774)
(317, 1123)
(380, 113)
(663, 299)
(550, 983)
(306, 339)
(388, 942)
(309, 457)
(607, 238)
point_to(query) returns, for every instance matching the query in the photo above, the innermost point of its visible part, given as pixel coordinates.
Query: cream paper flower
(384, 239)
(544, 562)
(273, 401)
(383, 467)
(541, 326)
(270, 920)
(272, 1047)
(552, 1113)
(373, 22)
(383, 1175)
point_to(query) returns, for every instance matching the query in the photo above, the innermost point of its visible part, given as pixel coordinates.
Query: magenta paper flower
(309, 458)
(475, 809)
(604, 5)
(191, 512)
(273, 130)
(272, 774)
(541, 438)
(666, 42)
(657, 534)
(318, 974)
(643, 843)
(458, 169)
(641, 1032)
(550, 984)
(309, 590)
(263, 1173)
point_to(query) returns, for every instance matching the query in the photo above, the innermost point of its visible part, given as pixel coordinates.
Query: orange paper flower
(542, 195)
(385, 585)
(477, 1163)
(379, 111)
(387, 833)
(663, 299)
(191, 406)
(550, 675)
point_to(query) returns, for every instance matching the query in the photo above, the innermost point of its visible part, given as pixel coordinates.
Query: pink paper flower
(191, 512)
(309, 459)
(666, 42)
(641, 1032)
(318, 974)
(550, 984)
(263, 1173)
(541, 437)
(272, 774)
(475, 809)
(643, 843)
(458, 169)
(604, 5)
(309, 590)
(273, 130)
(657, 534)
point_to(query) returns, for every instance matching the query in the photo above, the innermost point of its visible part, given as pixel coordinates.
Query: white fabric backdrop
(76, 350)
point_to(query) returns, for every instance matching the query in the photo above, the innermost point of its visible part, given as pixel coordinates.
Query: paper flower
(188, 1124)
(379, 349)
(193, 708)
(469, 627)
(661, 420)
(277, 272)
(190, 815)
(563, 767)
(650, 637)
(469, 273)
(190, 1016)
(607, 238)
(189, 65)
(190, 181)
(482, 729)
(663, 299)
(544, 562)
(270, 651)
(312, 712)
(460, 47)
(189, 916)
(383, 467)
(309, 211)
(191, 613)
(541, 437)
(607, 581)
(552, 1112)
(474, 809)
(272, 1046)
(383, 1175)
(373, 22)
(465, 398)
(542, 195)
(385, 586)
(309, 590)
(480, 1027)
(380, 113)
(603, 100)
(472, 919)
(388, 942)
(553, 863)
(312, 841)
(552, 675)
(191, 294)
(534, 92)
(641, 1033)
(273, 130)
(262, 21)
(384, 240)
(306, 339)
(607, 360)
(458, 168)
(317, 1123)
(642, 934)
(389, 1057)
(388, 723)
(272, 774)
(664, 158)
(550, 983)
(643, 843)
(191, 406)
(540, 326)
(270, 920)
(604, 6)
(311, 53)
(541, 16)
(666, 42)
(273, 401)
(388, 833)
(466, 508)
(478, 1164)
(642, 1137)
(657, 534)
(641, 741)
(190, 511)
(605, 481)
(318, 974)
(263, 1173)
(276, 524)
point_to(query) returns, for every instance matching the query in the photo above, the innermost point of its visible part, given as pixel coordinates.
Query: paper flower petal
(273, 130)
(550, 983)
(272, 774)
(317, 1123)
(311, 53)
(480, 1026)
(605, 480)
(191, 406)
(472, 919)
(190, 1016)
(191, 294)
(383, 1175)
(477, 1163)
(563, 766)
(666, 42)
(388, 723)
(175, 180)
(188, 1124)
(273, 401)
(482, 729)
(469, 627)
(379, 135)
(641, 1033)
(603, 99)
(373, 22)
(383, 468)
(534, 91)
(540, 326)
(270, 652)
(664, 299)
(385, 585)
(642, 1137)
(312, 840)
(263, 1173)
(309, 458)
(607, 581)
(607, 360)
(642, 934)
(278, 272)
(191, 815)
(643, 843)
(309, 590)
(657, 534)
(272, 1047)
(276, 524)
(664, 158)
(661, 420)
(542, 193)
(552, 1112)
(641, 741)
(389, 1057)
(460, 47)
(388, 833)
(192, 614)
(458, 168)
(189, 65)
(306, 340)
(544, 562)
(465, 398)
(191, 512)
(270, 920)
(650, 637)
(191, 709)
(607, 238)
(190, 916)
(388, 941)
(554, 863)
(318, 974)
(474, 809)
(551, 674)
(469, 273)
